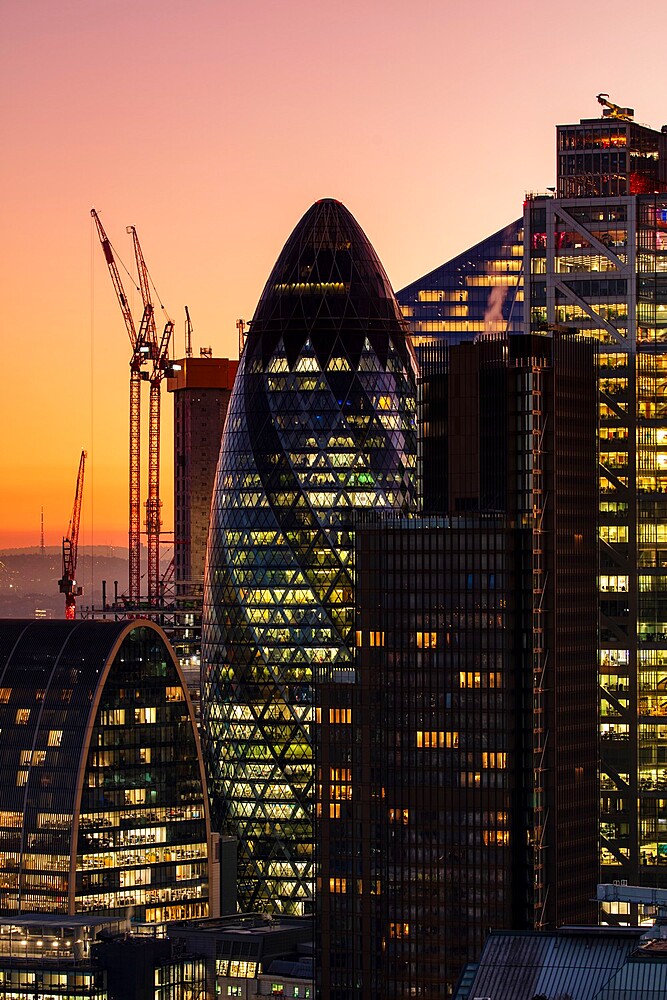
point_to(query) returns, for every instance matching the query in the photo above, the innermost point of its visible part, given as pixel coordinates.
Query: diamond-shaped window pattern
(321, 423)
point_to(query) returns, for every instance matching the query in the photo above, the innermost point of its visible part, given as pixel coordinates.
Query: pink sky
(211, 125)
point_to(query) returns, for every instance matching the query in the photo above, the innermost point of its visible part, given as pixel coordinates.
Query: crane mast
(141, 350)
(159, 354)
(67, 583)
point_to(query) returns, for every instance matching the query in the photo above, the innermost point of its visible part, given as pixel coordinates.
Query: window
(434, 740)
(397, 930)
(22, 716)
(427, 640)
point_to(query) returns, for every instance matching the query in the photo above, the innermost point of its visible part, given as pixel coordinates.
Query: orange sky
(211, 125)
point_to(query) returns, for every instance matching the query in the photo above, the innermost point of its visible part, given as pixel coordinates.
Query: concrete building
(458, 777)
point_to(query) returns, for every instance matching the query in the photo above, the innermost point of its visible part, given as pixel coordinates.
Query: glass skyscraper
(597, 259)
(479, 291)
(595, 264)
(321, 423)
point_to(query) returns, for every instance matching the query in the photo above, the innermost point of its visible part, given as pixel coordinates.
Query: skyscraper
(458, 777)
(596, 257)
(478, 291)
(321, 423)
(595, 261)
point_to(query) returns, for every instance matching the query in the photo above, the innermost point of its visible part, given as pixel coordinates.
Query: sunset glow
(212, 126)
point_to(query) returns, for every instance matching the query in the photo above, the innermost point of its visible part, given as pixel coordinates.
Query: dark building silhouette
(457, 777)
(321, 422)
(102, 789)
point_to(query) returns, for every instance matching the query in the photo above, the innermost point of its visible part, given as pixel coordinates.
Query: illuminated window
(113, 717)
(341, 716)
(494, 759)
(399, 816)
(337, 885)
(377, 638)
(4, 695)
(437, 740)
(145, 715)
(55, 737)
(21, 777)
(175, 694)
(334, 810)
(499, 838)
(397, 930)
(359, 638)
(427, 640)
(22, 716)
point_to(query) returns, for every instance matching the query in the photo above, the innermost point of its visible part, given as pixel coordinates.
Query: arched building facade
(103, 803)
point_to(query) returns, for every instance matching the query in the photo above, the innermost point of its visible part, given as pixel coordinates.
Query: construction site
(167, 585)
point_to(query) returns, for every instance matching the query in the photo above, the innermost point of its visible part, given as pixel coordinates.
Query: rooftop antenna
(41, 536)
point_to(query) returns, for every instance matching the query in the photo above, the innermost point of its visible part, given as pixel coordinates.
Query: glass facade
(321, 422)
(480, 291)
(597, 259)
(101, 784)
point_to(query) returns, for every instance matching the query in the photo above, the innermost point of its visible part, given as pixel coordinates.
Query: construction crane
(159, 355)
(612, 110)
(188, 334)
(142, 346)
(67, 583)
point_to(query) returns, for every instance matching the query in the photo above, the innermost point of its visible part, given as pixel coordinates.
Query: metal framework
(145, 347)
(67, 583)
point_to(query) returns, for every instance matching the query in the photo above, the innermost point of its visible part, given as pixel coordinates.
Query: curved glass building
(103, 803)
(321, 423)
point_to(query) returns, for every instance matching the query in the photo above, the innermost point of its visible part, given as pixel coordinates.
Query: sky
(211, 126)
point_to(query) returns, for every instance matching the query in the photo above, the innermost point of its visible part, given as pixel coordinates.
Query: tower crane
(67, 583)
(612, 110)
(159, 355)
(141, 350)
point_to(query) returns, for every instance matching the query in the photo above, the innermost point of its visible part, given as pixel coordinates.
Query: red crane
(67, 583)
(142, 347)
(159, 354)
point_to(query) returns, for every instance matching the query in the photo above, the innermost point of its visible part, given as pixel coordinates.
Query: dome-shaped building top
(321, 424)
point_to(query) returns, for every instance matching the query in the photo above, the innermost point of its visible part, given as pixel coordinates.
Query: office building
(248, 955)
(457, 778)
(202, 388)
(596, 257)
(102, 788)
(477, 292)
(321, 422)
(595, 260)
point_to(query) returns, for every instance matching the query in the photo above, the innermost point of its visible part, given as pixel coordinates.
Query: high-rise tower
(321, 422)
(459, 775)
(596, 260)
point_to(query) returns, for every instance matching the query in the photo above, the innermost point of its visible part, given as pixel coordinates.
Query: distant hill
(29, 580)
